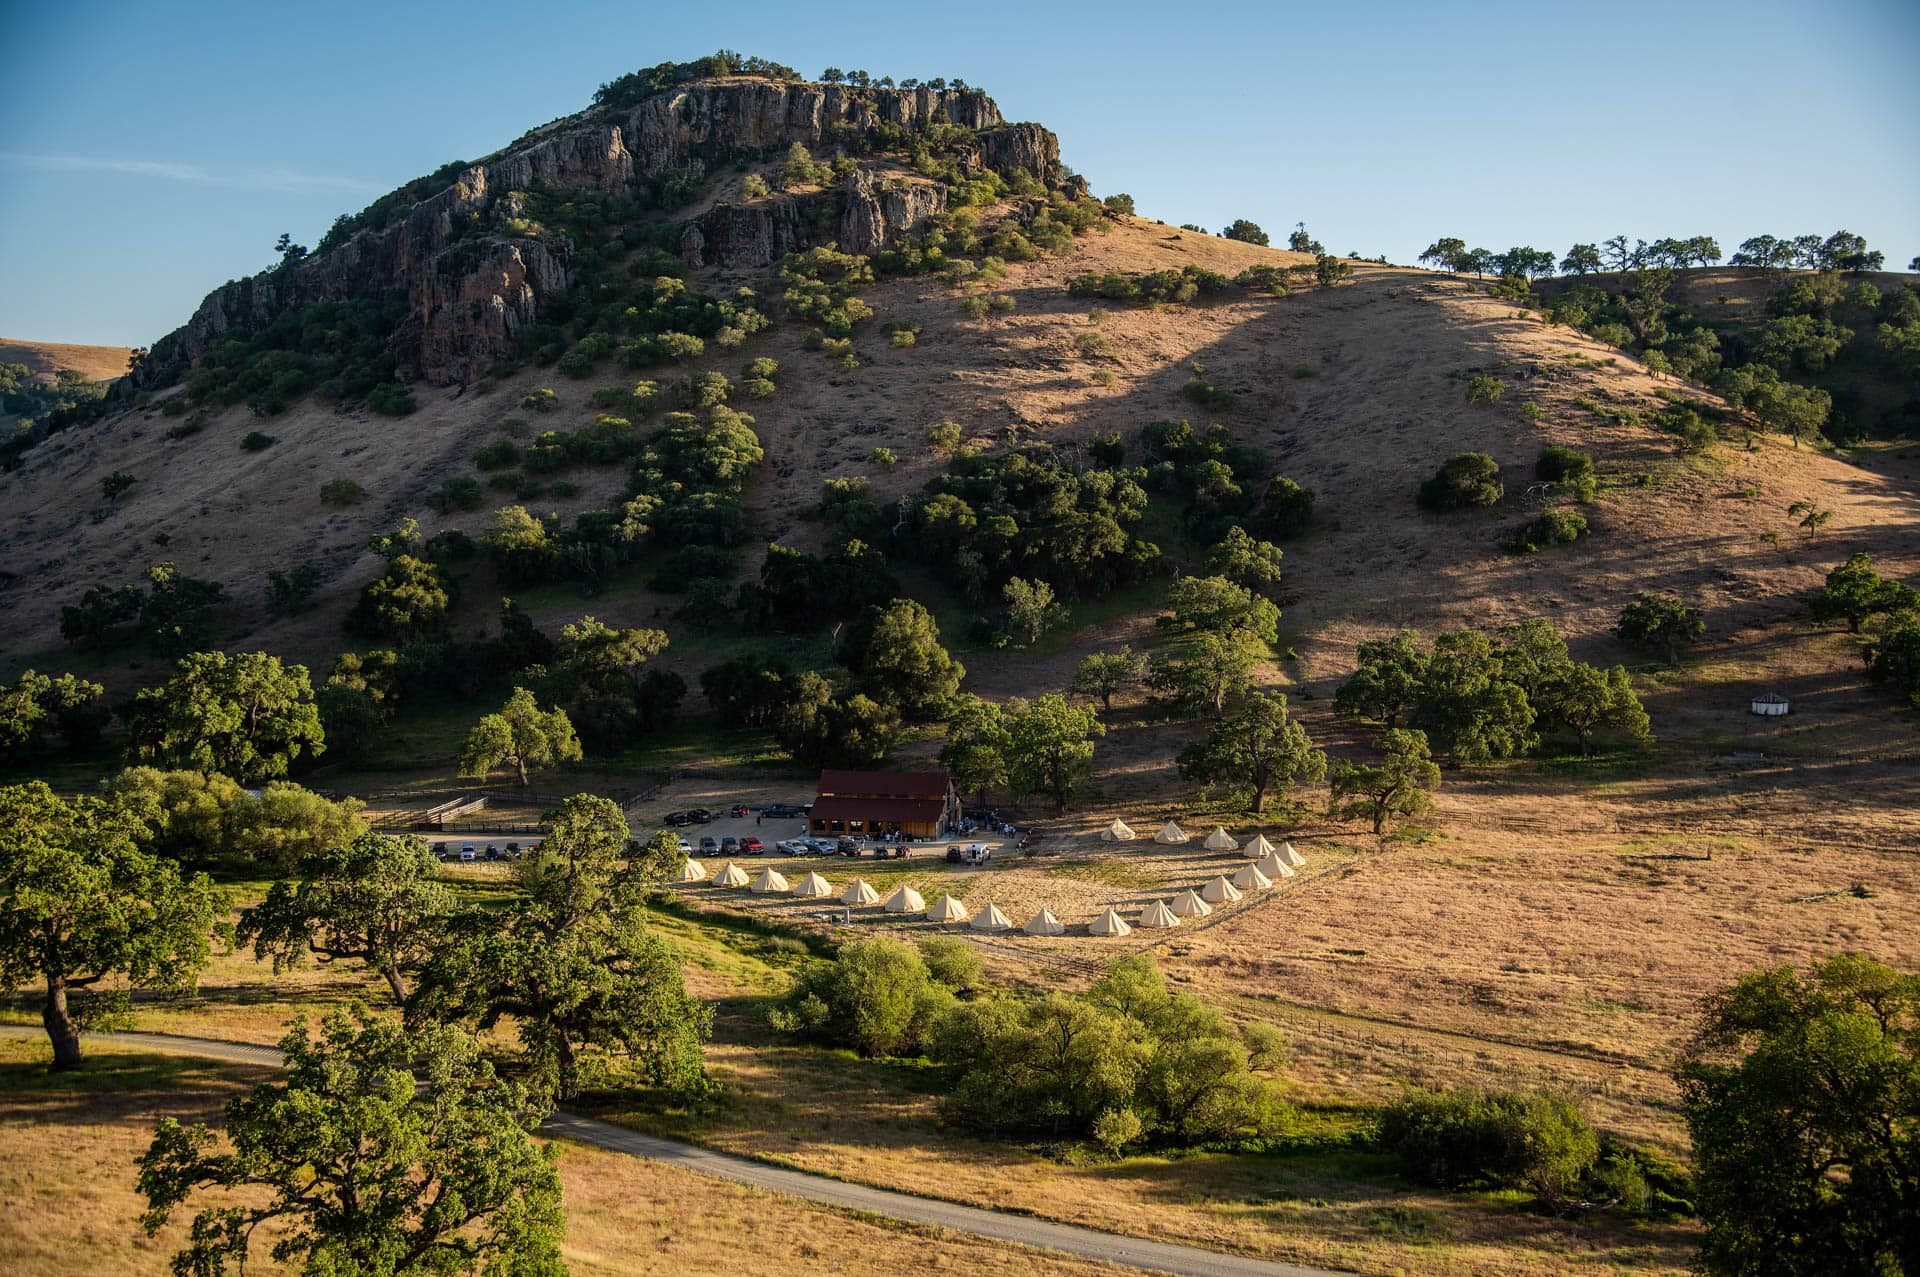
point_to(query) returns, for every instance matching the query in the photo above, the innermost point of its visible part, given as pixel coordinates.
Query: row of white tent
(1173, 836)
(1280, 862)
(860, 893)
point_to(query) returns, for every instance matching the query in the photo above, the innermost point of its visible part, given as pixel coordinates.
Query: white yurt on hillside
(1118, 831)
(770, 882)
(905, 900)
(947, 909)
(813, 887)
(692, 871)
(1109, 923)
(991, 919)
(1249, 878)
(1259, 847)
(1220, 892)
(1171, 834)
(731, 875)
(1292, 857)
(1045, 924)
(1221, 840)
(1158, 914)
(859, 892)
(1188, 904)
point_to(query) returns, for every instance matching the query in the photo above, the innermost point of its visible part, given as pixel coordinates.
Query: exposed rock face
(468, 296)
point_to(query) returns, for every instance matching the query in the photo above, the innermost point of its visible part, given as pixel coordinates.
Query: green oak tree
(1802, 1093)
(1659, 623)
(384, 1151)
(1400, 785)
(1257, 750)
(373, 900)
(573, 965)
(1587, 700)
(1104, 673)
(975, 752)
(897, 651)
(1050, 746)
(80, 903)
(246, 716)
(1855, 593)
(521, 735)
(1245, 560)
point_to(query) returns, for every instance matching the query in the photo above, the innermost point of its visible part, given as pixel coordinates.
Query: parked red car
(751, 846)
(738, 809)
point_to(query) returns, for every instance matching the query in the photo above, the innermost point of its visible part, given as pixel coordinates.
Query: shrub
(1465, 480)
(1284, 511)
(944, 436)
(563, 488)
(497, 455)
(883, 457)
(341, 492)
(459, 493)
(1567, 468)
(191, 426)
(390, 399)
(257, 442)
(1553, 527)
(542, 400)
(1330, 270)
(1457, 1139)
(115, 484)
(1483, 388)
(1204, 392)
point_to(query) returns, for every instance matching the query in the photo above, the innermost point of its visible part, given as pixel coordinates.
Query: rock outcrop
(470, 286)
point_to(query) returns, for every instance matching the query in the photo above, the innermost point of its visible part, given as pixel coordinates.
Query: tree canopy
(246, 716)
(522, 736)
(1255, 751)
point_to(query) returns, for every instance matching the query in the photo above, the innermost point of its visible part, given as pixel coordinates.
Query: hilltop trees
(80, 903)
(373, 900)
(1254, 750)
(1400, 785)
(383, 1151)
(245, 716)
(1581, 259)
(1660, 623)
(1104, 673)
(1246, 232)
(573, 963)
(520, 735)
(1448, 253)
(1801, 1091)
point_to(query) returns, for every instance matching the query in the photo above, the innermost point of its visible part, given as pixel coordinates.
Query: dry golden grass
(45, 358)
(68, 1146)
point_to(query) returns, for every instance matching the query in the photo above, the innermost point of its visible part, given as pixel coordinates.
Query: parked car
(751, 846)
(847, 847)
(783, 811)
(686, 848)
(708, 846)
(677, 818)
(467, 852)
(493, 852)
(730, 845)
(700, 816)
(738, 810)
(513, 850)
(955, 855)
(794, 847)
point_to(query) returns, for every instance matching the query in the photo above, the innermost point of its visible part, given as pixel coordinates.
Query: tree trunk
(394, 982)
(1379, 817)
(60, 1026)
(1259, 796)
(521, 763)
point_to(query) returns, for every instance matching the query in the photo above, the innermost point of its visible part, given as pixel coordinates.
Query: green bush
(1510, 1139)
(1465, 480)
(254, 441)
(497, 455)
(390, 399)
(944, 436)
(1483, 388)
(542, 400)
(1553, 526)
(115, 485)
(341, 492)
(459, 493)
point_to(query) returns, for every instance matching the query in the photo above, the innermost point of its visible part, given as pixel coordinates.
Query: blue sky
(150, 152)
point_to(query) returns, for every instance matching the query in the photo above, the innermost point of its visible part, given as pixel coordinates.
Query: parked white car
(468, 852)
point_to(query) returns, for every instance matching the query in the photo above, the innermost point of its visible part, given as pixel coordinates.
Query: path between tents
(1071, 1239)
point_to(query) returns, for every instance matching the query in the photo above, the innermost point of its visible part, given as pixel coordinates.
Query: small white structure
(1251, 879)
(692, 871)
(1258, 847)
(1171, 834)
(1221, 840)
(770, 882)
(905, 900)
(1118, 831)
(813, 887)
(1292, 857)
(1220, 892)
(1188, 904)
(1045, 924)
(991, 919)
(947, 909)
(859, 892)
(1274, 867)
(731, 875)
(1109, 923)
(1158, 915)
(1771, 705)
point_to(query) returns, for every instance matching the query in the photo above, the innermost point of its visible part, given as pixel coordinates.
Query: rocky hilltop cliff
(472, 276)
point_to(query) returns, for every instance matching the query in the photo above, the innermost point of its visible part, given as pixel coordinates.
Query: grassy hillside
(47, 359)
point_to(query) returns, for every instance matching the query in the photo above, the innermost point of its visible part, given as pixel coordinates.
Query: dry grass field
(46, 358)
(68, 1145)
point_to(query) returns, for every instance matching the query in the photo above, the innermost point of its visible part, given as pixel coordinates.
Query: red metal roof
(891, 784)
(901, 809)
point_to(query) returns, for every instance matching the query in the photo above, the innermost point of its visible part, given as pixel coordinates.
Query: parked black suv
(783, 811)
(700, 816)
(677, 818)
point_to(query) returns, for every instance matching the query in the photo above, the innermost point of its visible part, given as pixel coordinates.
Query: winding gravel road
(1071, 1239)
